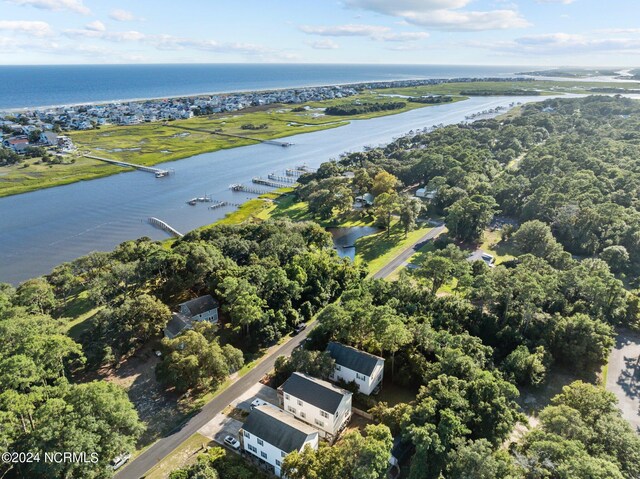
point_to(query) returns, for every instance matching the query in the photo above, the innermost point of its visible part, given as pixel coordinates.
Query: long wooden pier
(274, 184)
(249, 189)
(231, 135)
(160, 173)
(165, 227)
(282, 179)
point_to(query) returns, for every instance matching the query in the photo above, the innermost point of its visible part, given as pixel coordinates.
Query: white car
(232, 442)
(120, 461)
(259, 402)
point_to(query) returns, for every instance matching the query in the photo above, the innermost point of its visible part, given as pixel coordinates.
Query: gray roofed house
(321, 394)
(353, 358)
(204, 308)
(355, 366)
(278, 428)
(318, 403)
(198, 306)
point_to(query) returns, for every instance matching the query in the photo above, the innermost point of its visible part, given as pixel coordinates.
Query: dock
(267, 182)
(282, 179)
(160, 173)
(165, 227)
(249, 189)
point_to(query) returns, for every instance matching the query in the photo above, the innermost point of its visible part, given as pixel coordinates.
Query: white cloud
(35, 28)
(96, 26)
(564, 2)
(76, 6)
(94, 31)
(563, 44)
(375, 32)
(325, 44)
(444, 14)
(122, 15)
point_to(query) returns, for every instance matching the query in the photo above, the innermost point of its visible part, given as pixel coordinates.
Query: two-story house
(316, 402)
(270, 434)
(352, 364)
(204, 308)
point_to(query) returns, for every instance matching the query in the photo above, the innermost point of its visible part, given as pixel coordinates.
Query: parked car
(120, 461)
(258, 402)
(232, 442)
(299, 328)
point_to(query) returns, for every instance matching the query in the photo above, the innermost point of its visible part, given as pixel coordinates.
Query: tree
(242, 302)
(384, 207)
(436, 269)
(617, 257)
(410, 209)
(468, 217)
(36, 295)
(535, 237)
(478, 460)
(395, 336)
(192, 362)
(384, 182)
(526, 368)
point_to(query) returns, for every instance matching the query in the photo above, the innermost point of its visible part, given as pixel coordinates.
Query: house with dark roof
(204, 308)
(317, 403)
(269, 434)
(353, 365)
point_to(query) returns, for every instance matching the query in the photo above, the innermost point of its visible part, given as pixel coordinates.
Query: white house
(318, 403)
(352, 364)
(270, 434)
(204, 308)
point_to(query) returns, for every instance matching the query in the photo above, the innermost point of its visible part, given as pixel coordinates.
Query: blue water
(45, 85)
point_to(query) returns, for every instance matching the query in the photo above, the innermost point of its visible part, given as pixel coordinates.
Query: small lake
(344, 239)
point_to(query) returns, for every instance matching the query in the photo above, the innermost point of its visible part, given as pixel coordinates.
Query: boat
(192, 201)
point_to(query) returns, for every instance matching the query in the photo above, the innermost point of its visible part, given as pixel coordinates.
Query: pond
(344, 239)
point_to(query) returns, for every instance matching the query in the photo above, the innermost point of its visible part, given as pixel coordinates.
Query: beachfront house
(317, 403)
(204, 308)
(353, 365)
(269, 434)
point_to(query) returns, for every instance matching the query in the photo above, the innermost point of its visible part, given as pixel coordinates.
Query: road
(159, 450)
(399, 260)
(623, 376)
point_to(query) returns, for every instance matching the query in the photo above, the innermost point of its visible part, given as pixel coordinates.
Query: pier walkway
(165, 227)
(156, 171)
(231, 135)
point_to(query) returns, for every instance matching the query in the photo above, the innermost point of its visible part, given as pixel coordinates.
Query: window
(263, 454)
(324, 414)
(361, 377)
(278, 463)
(338, 367)
(252, 448)
(319, 423)
(302, 414)
(286, 396)
(282, 454)
(246, 434)
(292, 410)
(299, 402)
(260, 442)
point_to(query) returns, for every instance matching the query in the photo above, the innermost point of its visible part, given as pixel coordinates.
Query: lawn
(377, 250)
(287, 206)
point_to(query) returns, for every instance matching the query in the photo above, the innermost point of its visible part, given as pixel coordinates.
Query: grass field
(542, 86)
(377, 250)
(288, 207)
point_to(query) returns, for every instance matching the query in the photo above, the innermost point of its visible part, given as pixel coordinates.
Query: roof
(177, 324)
(317, 392)
(278, 428)
(352, 358)
(201, 304)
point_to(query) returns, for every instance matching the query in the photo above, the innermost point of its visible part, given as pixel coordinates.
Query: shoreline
(507, 77)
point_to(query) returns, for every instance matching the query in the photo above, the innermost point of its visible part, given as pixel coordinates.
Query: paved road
(399, 260)
(623, 377)
(149, 458)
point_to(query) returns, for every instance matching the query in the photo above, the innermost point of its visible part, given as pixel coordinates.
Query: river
(41, 229)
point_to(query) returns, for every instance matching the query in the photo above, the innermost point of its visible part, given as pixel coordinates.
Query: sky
(463, 32)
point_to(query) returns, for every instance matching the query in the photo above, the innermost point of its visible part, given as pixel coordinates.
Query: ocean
(46, 85)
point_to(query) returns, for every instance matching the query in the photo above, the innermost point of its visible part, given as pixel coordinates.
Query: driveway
(623, 377)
